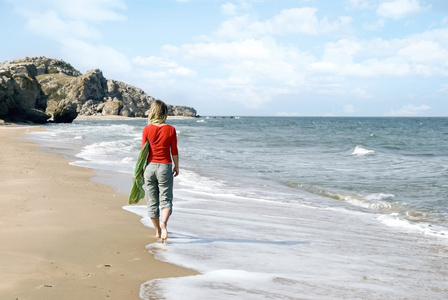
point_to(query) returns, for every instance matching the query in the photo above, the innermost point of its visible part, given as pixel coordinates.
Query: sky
(250, 57)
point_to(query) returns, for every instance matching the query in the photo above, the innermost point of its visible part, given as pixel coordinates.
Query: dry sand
(63, 236)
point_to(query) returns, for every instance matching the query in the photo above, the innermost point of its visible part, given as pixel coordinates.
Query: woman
(159, 171)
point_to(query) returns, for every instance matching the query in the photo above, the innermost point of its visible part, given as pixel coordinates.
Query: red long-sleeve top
(162, 142)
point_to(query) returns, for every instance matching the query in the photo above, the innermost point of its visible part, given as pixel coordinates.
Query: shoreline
(114, 117)
(64, 236)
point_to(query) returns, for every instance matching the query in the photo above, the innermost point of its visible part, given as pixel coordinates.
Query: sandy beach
(63, 236)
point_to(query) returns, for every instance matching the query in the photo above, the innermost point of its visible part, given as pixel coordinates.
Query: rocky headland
(37, 89)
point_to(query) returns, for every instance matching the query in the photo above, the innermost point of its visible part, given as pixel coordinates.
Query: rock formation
(21, 96)
(35, 88)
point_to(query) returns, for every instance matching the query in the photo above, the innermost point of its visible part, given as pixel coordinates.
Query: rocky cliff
(37, 88)
(21, 96)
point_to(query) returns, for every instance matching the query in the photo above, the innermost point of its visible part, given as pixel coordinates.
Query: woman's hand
(176, 165)
(175, 171)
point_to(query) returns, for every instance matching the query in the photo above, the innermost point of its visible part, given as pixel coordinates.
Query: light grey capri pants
(159, 188)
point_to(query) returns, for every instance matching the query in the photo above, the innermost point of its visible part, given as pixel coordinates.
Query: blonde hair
(158, 112)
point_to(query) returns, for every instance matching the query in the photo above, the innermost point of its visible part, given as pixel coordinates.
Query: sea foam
(361, 151)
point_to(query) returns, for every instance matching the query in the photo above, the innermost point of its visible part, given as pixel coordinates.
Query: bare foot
(164, 235)
(158, 230)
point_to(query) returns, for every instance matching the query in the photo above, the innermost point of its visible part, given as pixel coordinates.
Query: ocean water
(289, 207)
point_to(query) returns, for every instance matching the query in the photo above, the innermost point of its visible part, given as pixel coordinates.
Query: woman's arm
(176, 165)
(144, 137)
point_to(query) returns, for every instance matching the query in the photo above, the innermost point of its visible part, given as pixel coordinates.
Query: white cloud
(248, 49)
(294, 20)
(341, 52)
(389, 66)
(182, 72)
(289, 21)
(60, 20)
(409, 110)
(228, 9)
(323, 67)
(242, 90)
(157, 62)
(424, 51)
(422, 54)
(287, 69)
(275, 67)
(88, 56)
(158, 68)
(394, 67)
(262, 60)
(238, 28)
(232, 82)
(155, 75)
(398, 9)
(343, 24)
(170, 50)
(49, 24)
(71, 23)
(90, 10)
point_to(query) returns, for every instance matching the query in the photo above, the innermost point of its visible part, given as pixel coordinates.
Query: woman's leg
(165, 179)
(166, 213)
(152, 195)
(156, 224)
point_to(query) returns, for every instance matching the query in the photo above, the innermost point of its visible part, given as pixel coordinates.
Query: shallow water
(290, 208)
